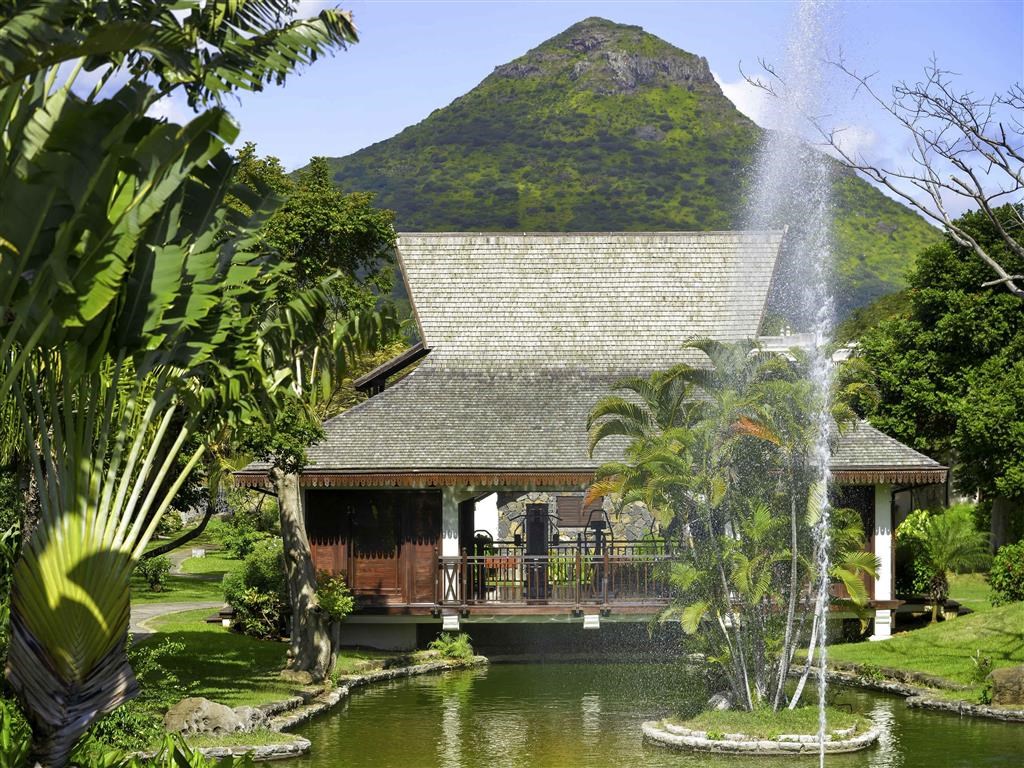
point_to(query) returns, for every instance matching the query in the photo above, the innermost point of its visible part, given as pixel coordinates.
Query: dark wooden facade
(383, 542)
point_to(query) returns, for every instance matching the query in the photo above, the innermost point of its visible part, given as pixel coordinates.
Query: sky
(415, 56)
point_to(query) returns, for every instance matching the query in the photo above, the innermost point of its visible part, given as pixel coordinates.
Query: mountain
(606, 127)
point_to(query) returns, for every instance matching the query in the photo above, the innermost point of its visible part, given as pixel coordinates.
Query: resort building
(455, 493)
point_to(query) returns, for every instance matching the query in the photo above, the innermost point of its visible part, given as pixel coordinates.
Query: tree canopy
(948, 368)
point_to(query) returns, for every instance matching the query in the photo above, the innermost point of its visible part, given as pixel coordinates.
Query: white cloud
(751, 101)
(857, 140)
(168, 108)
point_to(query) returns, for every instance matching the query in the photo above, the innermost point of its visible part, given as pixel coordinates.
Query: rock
(297, 677)
(1008, 685)
(720, 701)
(199, 715)
(251, 718)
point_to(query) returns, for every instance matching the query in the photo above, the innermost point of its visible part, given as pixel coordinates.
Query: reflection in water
(449, 746)
(563, 716)
(886, 754)
(590, 707)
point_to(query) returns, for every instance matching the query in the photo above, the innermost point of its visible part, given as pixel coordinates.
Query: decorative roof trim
(431, 479)
(499, 478)
(890, 476)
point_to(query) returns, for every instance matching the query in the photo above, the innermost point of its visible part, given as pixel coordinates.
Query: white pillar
(883, 551)
(449, 522)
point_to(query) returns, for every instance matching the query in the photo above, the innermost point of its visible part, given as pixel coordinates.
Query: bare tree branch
(963, 146)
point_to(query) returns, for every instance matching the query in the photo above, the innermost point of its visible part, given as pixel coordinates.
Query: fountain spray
(792, 188)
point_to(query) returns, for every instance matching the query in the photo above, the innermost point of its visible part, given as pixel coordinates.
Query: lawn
(178, 589)
(945, 649)
(213, 564)
(230, 668)
(971, 590)
(237, 670)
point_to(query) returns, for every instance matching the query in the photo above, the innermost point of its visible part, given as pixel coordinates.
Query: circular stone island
(840, 740)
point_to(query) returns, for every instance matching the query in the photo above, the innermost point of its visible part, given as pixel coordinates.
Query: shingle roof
(594, 301)
(438, 419)
(527, 332)
(862, 450)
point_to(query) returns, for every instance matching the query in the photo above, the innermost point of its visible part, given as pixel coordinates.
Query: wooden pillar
(883, 551)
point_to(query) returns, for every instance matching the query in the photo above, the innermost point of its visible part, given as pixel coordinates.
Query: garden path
(143, 613)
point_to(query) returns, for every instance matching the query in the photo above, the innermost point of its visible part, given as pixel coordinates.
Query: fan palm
(951, 543)
(130, 301)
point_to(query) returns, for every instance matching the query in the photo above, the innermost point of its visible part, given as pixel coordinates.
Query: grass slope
(945, 649)
(230, 668)
(605, 127)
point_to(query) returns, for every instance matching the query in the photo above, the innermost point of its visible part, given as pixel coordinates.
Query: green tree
(128, 296)
(721, 452)
(341, 242)
(947, 373)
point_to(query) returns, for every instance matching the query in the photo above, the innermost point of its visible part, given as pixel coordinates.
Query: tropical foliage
(130, 305)
(948, 370)
(722, 452)
(1007, 574)
(951, 544)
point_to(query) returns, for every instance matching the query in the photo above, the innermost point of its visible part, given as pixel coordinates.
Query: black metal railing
(569, 575)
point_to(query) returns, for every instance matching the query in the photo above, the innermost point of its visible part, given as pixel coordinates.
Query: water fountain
(792, 187)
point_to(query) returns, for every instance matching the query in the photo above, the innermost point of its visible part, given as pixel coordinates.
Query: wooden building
(520, 337)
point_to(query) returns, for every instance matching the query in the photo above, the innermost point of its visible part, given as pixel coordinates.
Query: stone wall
(633, 523)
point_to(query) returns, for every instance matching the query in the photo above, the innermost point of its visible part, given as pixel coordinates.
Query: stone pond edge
(675, 736)
(922, 698)
(295, 710)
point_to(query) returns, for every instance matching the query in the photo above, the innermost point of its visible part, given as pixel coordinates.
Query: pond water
(558, 715)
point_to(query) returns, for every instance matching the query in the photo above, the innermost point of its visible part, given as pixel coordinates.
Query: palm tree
(951, 543)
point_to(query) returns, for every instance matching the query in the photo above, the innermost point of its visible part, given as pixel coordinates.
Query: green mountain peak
(607, 127)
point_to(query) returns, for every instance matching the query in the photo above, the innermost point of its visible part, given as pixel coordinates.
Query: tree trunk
(791, 607)
(311, 649)
(1003, 509)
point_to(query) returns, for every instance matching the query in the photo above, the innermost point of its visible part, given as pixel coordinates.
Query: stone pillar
(883, 551)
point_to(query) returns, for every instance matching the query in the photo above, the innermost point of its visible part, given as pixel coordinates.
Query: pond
(558, 715)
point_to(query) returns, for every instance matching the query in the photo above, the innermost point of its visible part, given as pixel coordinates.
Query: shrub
(137, 724)
(170, 523)
(1007, 574)
(248, 526)
(334, 596)
(154, 570)
(914, 575)
(258, 590)
(452, 646)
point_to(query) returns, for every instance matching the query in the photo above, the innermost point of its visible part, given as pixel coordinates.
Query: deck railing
(568, 575)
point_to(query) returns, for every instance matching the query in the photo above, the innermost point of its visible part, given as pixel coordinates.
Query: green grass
(213, 564)
(259, 738)
(971, 590)
(178, 589)
(229, 668)
(237, 670)
(356, 661)
(945, 649)
(766, 724)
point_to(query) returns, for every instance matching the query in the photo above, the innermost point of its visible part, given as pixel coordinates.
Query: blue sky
(415, 56)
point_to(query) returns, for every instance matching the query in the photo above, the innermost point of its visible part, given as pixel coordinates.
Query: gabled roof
(614, 301)
(864, 454)
(527, 332)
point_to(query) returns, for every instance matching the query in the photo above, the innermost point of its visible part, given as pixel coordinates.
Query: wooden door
(376, 549)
